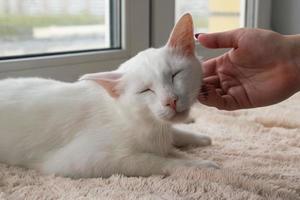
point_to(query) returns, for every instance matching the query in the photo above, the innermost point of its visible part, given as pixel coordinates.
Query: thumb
(227, 39)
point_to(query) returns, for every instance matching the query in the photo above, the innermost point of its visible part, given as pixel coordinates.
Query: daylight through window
(30, 27)
(213, 15)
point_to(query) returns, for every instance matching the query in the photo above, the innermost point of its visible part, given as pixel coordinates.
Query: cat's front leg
(146, 164)
(184, 138)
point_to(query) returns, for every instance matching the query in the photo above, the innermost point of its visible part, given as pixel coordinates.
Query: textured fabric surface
(258, 151)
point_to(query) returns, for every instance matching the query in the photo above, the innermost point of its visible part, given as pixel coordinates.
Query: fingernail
(197, 35)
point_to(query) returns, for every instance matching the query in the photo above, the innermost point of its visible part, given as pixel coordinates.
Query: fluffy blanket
(258, 151)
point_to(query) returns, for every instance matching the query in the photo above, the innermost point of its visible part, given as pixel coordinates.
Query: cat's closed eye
(175, 74)
(146, 90)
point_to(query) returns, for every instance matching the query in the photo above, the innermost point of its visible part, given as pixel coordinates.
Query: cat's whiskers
(194, 94)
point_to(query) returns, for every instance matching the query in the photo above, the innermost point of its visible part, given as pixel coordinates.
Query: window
(30, 27)
(128, 34)
(130, 26)
(213, 15)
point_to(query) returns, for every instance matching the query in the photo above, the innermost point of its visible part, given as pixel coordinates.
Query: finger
(212, 80)
(203, 91)
(216, 98)
(220, 92)
(227, 39)
(209, 67)
(211, 98)
(229, 102)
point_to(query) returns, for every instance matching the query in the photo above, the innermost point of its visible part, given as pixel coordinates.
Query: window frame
(68, 67)
(258, 14)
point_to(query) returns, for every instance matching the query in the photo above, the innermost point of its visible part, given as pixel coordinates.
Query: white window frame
(145, 23)
(258, 14)
(68, 67)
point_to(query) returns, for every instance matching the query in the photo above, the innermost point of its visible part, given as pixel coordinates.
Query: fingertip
(204, 39)
(199, 36)
(227, 39)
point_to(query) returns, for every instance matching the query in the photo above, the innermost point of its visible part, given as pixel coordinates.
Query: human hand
(261, 69)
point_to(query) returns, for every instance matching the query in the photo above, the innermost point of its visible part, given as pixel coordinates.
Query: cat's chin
(179, 117)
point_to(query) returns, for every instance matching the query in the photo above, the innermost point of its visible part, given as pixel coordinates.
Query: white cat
(106, 123)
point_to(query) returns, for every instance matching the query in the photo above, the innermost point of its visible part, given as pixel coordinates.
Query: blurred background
(43, 26)
(212, 15)
(47, 26)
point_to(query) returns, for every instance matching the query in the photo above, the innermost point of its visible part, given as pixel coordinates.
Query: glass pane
(50, 26)
(212, 15)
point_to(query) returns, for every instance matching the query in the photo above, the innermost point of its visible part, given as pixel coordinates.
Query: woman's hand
(261, 69)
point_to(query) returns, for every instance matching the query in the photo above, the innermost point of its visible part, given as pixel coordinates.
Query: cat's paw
(202, 164)
(189, 120)
(201, 140)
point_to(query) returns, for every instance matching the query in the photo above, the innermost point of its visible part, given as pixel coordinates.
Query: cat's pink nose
(171, 102)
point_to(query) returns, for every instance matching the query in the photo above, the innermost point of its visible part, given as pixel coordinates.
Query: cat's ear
(108, 80)
(182, 36)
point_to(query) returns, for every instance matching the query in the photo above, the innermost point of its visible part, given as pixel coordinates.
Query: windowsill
(61, 60)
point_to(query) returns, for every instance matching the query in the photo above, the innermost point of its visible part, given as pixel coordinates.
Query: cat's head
(159, 83)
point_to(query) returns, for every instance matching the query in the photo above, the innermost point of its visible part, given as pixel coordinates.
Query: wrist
(294, 41)
(294, 51)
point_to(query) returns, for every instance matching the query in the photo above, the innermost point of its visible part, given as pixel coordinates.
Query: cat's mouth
(179, 117)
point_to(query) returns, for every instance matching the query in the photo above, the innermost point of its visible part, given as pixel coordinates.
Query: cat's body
(106, 123)
(50, 130)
